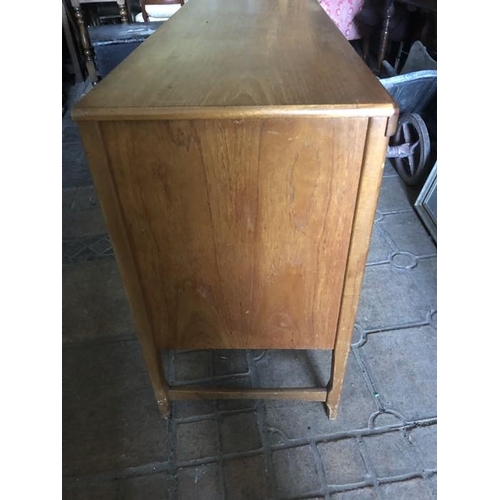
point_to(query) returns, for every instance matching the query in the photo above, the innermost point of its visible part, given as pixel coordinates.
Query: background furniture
(342, 13)
(112, 43)
(158, 10)
(239, 199)
(84, 34)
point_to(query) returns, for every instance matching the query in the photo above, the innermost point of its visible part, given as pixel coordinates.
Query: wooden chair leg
(123, 11)
(85, 40)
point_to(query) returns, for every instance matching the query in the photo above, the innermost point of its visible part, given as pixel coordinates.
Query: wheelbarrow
(410, 148)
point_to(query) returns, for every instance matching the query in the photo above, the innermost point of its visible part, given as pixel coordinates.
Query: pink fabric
(342, 13)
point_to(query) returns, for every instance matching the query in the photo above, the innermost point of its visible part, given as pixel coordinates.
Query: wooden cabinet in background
(237, 154)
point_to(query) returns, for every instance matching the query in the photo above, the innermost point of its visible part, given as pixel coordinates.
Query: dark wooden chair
(161, 13)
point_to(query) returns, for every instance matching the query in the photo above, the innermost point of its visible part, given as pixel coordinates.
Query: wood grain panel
(242, 55)
(240, 228)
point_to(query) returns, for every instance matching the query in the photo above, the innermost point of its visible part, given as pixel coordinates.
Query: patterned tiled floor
(382, 445)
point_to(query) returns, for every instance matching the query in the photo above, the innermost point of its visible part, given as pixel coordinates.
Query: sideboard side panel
(240, 228)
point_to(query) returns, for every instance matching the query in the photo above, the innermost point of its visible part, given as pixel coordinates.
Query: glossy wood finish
(239, 178)
(260, 55)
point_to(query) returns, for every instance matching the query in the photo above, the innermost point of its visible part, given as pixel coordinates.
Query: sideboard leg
(152, 357)
(334, 388)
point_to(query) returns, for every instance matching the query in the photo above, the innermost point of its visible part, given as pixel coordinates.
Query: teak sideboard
(237, 155)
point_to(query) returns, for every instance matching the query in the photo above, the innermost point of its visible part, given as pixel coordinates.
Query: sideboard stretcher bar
(237, 155)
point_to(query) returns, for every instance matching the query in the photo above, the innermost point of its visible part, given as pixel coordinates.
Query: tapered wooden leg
(334, 389)
(152, 357)
(371, 177)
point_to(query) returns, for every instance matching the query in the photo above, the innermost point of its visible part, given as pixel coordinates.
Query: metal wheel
(410, 148)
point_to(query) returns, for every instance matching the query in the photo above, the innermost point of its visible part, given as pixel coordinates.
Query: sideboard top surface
(240, 58)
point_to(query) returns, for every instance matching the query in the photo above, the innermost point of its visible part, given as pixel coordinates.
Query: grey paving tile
(296, 472)
(153, 487)
(296, 419)
(390, 455)
(68, 197)
(391, 297)
(432, 484)
(425, 278)
(201, 482)
(70, 134)
(74, 490)
(413, 489)
(294, 368)
(403, 366)
(86, 249)
(72, 152)
(93, 301)
(83, 223)
(196, 440)
(75, 174)
(192, 365)
(246, 478)
(194, 407)
(342, 462)
(86, 198)
(240, 432)
(380, 249)
(407, 232)
(359, 494)
(230, 361)
(393, 195)
(425, 441)
(389, 170)
(110, 417)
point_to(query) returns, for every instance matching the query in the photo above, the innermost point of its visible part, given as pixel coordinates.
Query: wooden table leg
(86, 45)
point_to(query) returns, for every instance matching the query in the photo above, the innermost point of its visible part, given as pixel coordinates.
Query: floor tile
(413, 489)
(196, 440)
(403, 366)
(390, 297)
(192, 365)
(295, 419)
(240, 432)
(380, 249)
(390, 455)
(358, 494)
(246, 478)
(83, 223)
(94, 305)
(200, 481)
(296, 471)
(111, 420)
(342, 462)
(424, 439)
(303, 368)
(407, 232)
(393, 195)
